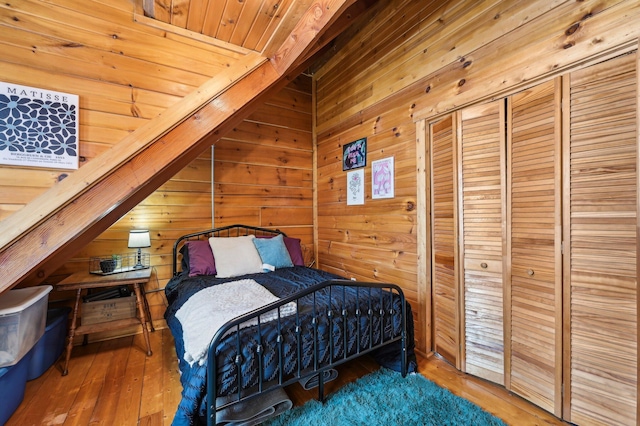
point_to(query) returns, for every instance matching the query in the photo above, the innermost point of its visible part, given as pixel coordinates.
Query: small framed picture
(382, 178)
(354, 154)
(355, 187)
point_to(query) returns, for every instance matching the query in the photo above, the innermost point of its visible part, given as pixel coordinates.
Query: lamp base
(139, 265)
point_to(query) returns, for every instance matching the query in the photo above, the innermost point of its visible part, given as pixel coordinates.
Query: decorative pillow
(293, 247)
(200, 258)
(235, 256)
(295, 250)
(273, 253)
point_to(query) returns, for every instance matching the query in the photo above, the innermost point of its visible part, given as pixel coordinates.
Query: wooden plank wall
(375, 241)
(417, 60)
(263, 169)
(125, 73)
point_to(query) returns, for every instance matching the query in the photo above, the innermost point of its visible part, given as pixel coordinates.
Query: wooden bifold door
(534, 235)
(481, 161)
(446, 321)
(534, 274)
(601, 235)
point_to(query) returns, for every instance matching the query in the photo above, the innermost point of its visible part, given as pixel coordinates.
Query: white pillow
(235, 256)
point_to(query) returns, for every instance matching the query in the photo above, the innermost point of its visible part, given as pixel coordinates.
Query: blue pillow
(273, 252)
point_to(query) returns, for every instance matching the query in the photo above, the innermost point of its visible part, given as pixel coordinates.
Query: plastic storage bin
(13, 381)
(23, 315)
(51, 344)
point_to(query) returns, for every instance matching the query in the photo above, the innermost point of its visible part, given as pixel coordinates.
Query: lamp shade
(139, 238)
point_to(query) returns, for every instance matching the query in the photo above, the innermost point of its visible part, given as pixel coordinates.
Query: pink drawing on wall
(382, 178)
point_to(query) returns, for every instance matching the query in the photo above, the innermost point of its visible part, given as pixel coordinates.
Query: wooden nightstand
(84, 280)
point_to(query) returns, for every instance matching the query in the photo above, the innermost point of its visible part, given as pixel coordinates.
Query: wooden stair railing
(39, 238)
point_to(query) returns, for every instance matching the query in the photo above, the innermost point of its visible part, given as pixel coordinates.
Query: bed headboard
(224, 231)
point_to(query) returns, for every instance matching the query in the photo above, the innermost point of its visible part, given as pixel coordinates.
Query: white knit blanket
(209, 309)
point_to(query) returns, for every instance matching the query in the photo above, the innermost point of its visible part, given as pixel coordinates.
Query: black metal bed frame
(337, 295)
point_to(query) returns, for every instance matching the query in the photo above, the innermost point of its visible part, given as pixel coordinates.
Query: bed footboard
(331, 323)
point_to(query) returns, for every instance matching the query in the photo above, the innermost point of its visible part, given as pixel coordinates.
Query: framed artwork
(355, 187)
(354, 154)
(382, 178)
(38, 128)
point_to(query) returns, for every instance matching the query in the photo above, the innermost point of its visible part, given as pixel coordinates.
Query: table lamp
(139, 238)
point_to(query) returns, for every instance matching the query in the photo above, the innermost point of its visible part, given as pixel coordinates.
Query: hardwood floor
(115, 383)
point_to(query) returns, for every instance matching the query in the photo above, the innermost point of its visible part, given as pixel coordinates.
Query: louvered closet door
(444, 241)
(535, 333)
(601, 283)
(482, 166)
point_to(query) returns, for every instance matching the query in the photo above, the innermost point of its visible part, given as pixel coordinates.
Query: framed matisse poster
(38, 127)
(355, 187)
(382, 178)
(354, 154)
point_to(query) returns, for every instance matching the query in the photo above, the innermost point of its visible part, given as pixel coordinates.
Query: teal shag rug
(385, 398)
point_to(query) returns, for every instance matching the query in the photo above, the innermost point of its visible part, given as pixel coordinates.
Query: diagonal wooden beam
(73, 212)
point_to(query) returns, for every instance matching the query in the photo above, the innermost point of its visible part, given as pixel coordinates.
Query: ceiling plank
(265, 15)
(212, 18)
(230, 19)
(180, 13)
(196, 15)
(278, 22)
(162, 10)
(245, 22)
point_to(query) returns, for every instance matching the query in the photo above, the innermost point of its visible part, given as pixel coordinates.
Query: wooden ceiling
(246, 23)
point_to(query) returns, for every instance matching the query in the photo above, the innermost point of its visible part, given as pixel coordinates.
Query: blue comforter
(333, 339)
